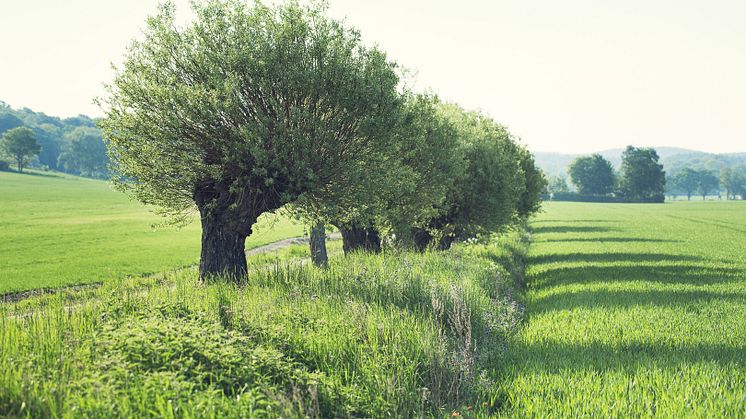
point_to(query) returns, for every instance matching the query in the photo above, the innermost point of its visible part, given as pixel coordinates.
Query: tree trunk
(421, 239)
(355, 238)
(223, 251)
(318, 245)
(445, 242)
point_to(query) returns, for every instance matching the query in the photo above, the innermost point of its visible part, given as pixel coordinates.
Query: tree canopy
(642, 177)
(486, 194)
(592, 175)
(20, 145)
(84, 153)
(244, 110)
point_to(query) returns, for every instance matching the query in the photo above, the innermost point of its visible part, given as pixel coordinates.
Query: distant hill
(672, 158)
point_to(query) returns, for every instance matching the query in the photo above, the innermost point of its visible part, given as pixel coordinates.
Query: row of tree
(688, 181)
(252, 108)
(640, 179)
(73, 145)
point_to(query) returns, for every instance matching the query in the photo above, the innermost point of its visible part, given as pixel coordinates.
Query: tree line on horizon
(33, 139)
(255, 108)
(595, 179)
(641, 178)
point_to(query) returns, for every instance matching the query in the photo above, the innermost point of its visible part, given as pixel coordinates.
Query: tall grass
(393, 334)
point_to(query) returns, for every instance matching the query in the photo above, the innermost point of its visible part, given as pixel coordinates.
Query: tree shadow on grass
(688, 300)
(571, 229)
(609, 257)
(555, 357)
(668, 273)
(608, 240)
(573, 221)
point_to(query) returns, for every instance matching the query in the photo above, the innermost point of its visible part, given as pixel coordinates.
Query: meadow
(610, 310)
(65, 230)
(632, 310)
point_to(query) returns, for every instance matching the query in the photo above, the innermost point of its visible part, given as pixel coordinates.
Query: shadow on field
(631, 299)
(608, 240)
(573, 221)
(552, 357)
(571, 229)
(670, 273)
(609, 258)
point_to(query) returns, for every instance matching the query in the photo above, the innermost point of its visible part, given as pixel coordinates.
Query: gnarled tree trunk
(225, 227)
(318, 245)
(223, 250)
(356, 238)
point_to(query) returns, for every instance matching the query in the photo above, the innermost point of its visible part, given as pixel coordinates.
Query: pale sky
(569, 76)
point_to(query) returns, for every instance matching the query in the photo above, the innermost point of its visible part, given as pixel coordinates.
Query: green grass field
(633, 310)
(628, 311)
(62, 230)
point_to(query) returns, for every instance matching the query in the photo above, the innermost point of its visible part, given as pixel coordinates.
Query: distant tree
(20, 145)
(707, 182)
(732, 179)
(687, 180)
(592, 175)
(244, 110)
(85, 152)
(8, 122)
(557, 184)
(49, 138)
(643, 178)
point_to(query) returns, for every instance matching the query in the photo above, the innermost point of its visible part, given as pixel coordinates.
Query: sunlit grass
(63, 230)
(633, 310)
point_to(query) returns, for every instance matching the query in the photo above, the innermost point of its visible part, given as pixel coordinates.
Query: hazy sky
(571, 75)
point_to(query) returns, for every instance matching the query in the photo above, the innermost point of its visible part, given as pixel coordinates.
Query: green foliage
(632, 311)
(20, 145)
(407, 183)
(50, 131)
(592, 175)
(535, 184)
(557, 184)
(85, 153)
(250, 106)
(733, 180)
(8, 121)
(686, 180)
(708, 182)
(371, 336)
(486, 194)
(642, 176)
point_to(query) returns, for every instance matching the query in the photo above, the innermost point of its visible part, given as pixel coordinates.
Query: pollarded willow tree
(407, 183)
(486, 195)
(242, 111)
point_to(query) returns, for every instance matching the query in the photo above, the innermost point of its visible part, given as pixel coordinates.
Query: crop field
(633, 310)
(62, 230)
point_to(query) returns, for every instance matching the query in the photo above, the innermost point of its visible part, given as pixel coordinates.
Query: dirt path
(15, 297)
(285, 243)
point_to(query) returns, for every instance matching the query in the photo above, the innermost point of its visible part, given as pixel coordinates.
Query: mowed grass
(633, 310)
(62, 230)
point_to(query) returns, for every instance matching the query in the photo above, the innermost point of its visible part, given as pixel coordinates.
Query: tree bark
(318, 245)
(421, 239)
(223, 250)
(357, 238)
